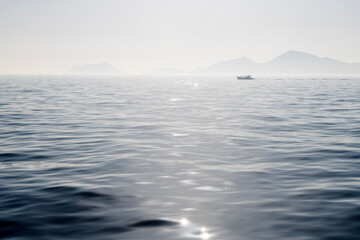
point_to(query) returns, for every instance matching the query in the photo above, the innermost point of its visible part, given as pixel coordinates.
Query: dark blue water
(179, 158)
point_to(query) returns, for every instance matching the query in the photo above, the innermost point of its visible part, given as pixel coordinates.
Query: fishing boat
(245, 77)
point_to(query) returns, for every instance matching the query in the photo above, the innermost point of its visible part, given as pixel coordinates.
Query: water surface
(179, 158)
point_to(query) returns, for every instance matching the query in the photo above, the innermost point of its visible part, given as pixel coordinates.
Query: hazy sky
(51, 36)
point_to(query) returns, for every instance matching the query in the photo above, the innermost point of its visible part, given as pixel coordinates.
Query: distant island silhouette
(290, 62)
(95, 69)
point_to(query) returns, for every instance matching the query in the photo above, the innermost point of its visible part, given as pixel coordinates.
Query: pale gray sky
(51, 36)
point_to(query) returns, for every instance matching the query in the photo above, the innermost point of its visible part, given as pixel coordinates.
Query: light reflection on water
(179, 158)
(194, 231)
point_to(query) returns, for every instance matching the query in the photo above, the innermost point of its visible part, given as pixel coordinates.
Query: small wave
(154, 223)
(15, 157)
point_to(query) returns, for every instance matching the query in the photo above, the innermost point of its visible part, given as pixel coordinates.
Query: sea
(181, 157)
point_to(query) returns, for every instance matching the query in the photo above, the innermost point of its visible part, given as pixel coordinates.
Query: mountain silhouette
(101, 69)
(290, 62)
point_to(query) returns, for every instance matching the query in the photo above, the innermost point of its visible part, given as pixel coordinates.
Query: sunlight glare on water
(122, 157)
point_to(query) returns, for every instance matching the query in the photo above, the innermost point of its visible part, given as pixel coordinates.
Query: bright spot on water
(209, 188)
(188, 209)
(205, 235)
(144, 183)
(179, 134)
(184, 222)
(188, 182)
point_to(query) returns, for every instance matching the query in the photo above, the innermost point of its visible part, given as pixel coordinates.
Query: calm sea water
(179, 158)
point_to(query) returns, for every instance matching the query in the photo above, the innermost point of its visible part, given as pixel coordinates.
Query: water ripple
(179, 158)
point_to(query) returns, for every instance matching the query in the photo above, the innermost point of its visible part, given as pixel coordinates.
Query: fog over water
(179, 157)
(137, 36)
